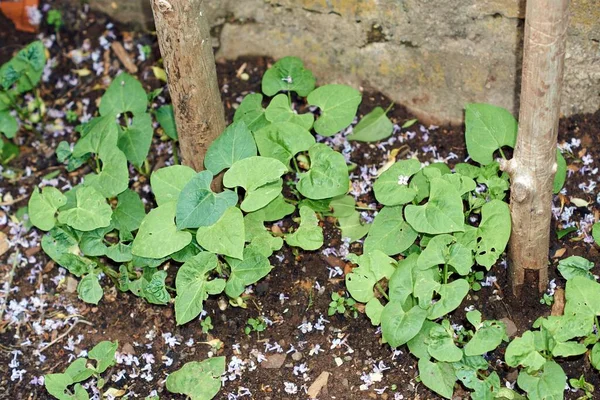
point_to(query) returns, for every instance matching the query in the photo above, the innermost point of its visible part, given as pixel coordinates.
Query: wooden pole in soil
(185, 45)
(533, 166)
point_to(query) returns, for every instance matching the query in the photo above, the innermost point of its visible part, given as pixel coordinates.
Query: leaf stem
(380, 290)
(175, 151)
(389, 108)
(502, 153)
(445, 273)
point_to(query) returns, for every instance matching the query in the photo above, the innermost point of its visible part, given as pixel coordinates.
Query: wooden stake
(185, 44)
(533, 167)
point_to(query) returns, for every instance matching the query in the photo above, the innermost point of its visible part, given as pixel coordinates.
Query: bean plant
(436, 231)
(19, 76)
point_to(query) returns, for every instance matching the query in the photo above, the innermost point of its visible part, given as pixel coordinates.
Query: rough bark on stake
(185, 45)
(533, 167)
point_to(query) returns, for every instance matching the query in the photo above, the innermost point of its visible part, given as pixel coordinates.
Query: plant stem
(380, 290)
(175, 151)
(98, 169)
(445, 273)
(365, 209)
(502, 153)
(296, 167)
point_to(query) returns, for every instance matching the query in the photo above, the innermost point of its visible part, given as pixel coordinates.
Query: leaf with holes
(493, 232)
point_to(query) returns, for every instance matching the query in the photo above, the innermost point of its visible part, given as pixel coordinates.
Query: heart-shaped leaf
(443, 213)
(198, 380)
(114, 176)
(352, 226)
(167, 183)
(135, 140)
(493, 232)
(547, 384)
(328, 174)
(254, 267)
(288, 74)
(254, 172)
(130, 211)
(389, 232)
(91, 212)
(279, 110)
(251, 112)
(373, 127)
(338, 104)
(234, 144)
(42, 207)
(391, 188)
(193, 286)
(441, 250)
(451, 295)
(158, 236)
(309, 235)
(573, 266)
(199, 206)
(226, 236)
(441, 345)
(398, 326)
(98, 133)
(125, 94)
(438, 377)
(488, 128)
(89, 289)
(283, 141)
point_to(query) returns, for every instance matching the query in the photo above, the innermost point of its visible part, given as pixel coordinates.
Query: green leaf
(277, 209)
(234, 144)
(167, 183)
(493, 232)
(226, 236)
(488, 128)
(352, 227)
(442, 249)
(199, 206)
(135, 140)
(401, 282)
(389, 232)
(438, 377)
(561, 173)
(343, 206)
(596, 232)
(279, 110)
(198, 380)
(451, 295)
(155, 290)
(97, 134)
(114, 176)
(262, 196)
(251, 112)
(25, 69)
(391, 188)
(130, 211)
(193, 286)
(373, 267)
(254, 267)
(576, 266)
(582, 296)
(283, 141)
(373, 309)
(420, 182)
(443, 213)
(91, 212)
(60, 241)
(89, 289)
(486, 339)
(338, 104)
(42, 207)
(125, 94)
(57, 384)
(398, 326)
(522, 351)
(119, 252)
(595, 356)
(166, 119)
(441, 345)
(468, 170)
(158, 236)
(373, 127)
(328, 174)
(76, 264)
(254, 172)
(418, 345)
(258, 236)
(547, 384)
(309, 235)
(288, 74)
(104, 355)
(8, 124)
(78, 370)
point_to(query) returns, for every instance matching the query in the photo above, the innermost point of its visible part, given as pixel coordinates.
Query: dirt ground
(43, 325)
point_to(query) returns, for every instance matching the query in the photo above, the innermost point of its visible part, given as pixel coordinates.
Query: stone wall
(431, 55)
